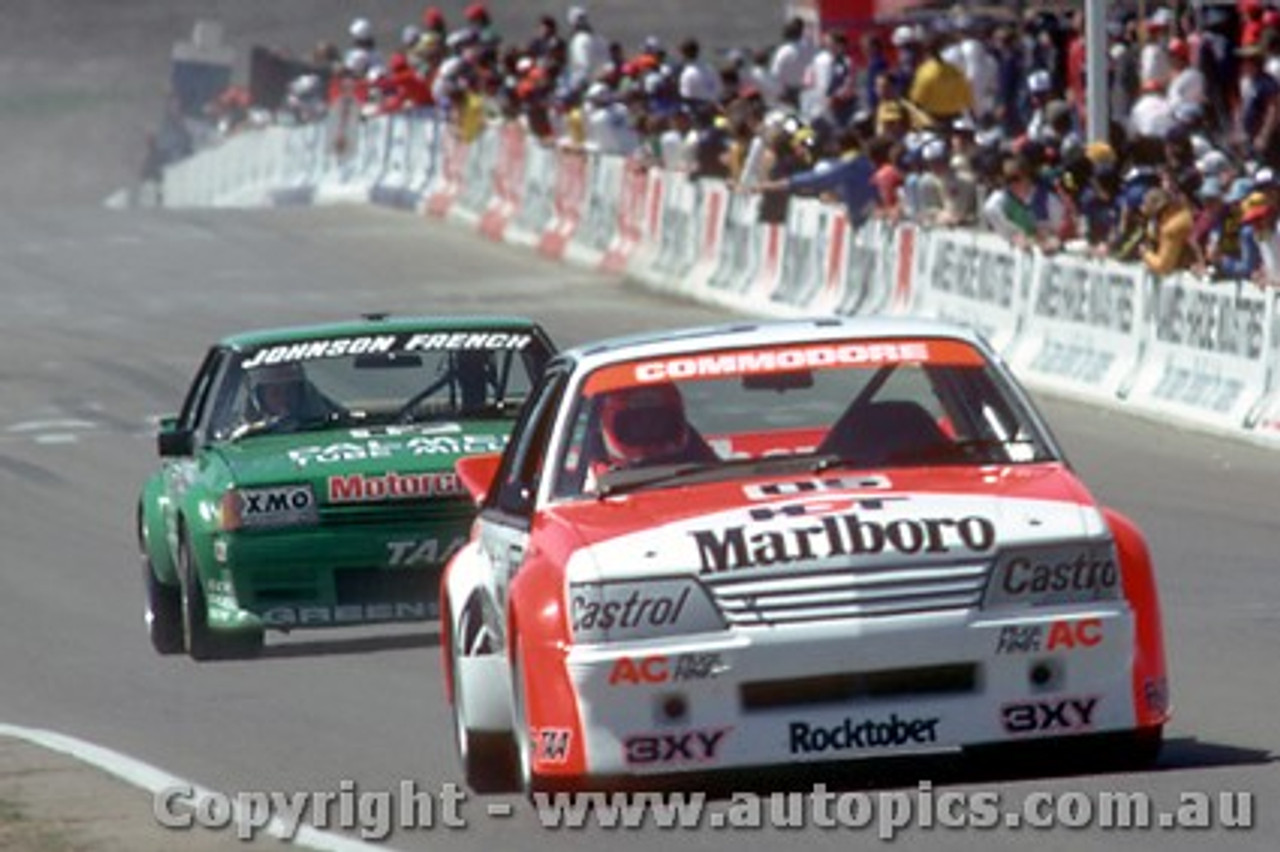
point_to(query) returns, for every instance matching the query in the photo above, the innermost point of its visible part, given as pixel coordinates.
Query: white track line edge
(153, 780)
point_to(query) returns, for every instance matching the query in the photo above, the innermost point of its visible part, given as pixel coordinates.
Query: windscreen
(386, 380)
(854, 404)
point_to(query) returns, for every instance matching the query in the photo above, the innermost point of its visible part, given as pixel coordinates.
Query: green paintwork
(356, 560)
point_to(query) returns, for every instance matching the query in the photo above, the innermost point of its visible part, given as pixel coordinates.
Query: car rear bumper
(319, 578)
(883, 688)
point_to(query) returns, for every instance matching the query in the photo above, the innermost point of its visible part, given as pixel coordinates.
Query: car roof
(764, 333)
(376, 324)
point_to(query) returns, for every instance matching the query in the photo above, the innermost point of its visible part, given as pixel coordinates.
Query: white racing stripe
(153, 780)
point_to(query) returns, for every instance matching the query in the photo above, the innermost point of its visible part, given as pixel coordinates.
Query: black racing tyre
(164, 612)
(489, 760)
(202, 642)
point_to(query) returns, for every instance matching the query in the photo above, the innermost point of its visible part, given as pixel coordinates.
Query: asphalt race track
(105, 317)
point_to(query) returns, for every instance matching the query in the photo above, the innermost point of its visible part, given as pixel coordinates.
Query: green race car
(309, 479)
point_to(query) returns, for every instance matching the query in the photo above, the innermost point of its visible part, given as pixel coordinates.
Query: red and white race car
(789, 542)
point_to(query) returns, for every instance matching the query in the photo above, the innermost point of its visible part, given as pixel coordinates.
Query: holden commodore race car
(309, 479)
(788, 543)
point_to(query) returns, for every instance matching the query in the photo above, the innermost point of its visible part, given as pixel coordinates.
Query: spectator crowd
(950, 120)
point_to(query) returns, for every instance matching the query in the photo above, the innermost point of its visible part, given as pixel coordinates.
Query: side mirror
(172, 442)
(477, 473)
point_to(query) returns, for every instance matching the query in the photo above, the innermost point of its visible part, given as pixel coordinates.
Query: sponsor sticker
(363, 488)
(322, 616)
(362, 449)
(696, 746)
(862, 734)
(551, 745)
(604, 611)
(1049, 716)
(420, 552)
(659, 668)
(382, 344)
(1064, 574)
(781, 359)
(848, 534)
(1066, 635)
(287, 504)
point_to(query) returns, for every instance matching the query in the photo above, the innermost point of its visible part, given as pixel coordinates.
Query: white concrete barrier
(1200, 354)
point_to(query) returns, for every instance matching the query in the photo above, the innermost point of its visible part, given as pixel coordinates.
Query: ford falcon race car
(309, 479)
(791, 542)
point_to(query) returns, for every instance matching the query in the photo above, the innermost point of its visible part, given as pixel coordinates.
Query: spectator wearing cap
(433, 22)
(1208, 226)
(1153, 63)
(1259, 256)
(1186, 82)
(1024, 210)
(944, 196)
(1168, 227)
(789, 62)
(908, 52)
(1251, 25)
(1098, 203)
(1259, 107)
(588, 52)
(849, 178)
(939, 88)
(1040, 94)
(608, 122)
(479, 22)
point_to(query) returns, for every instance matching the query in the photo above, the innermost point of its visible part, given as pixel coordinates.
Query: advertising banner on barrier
(390, 190)
(426, 131)
(447, 182)
(870, 272)
(508, 179)
(569, 198)
(805, 261)
(1265, 422)
(735, 268)
(358, 170)
(599, 212)
(1084, 329)
(646, 253)
(629, 227)
(537, 204)
(679, 238)
(302, 167)
(477, 179)
(977, 280)
(1208, 348)
(712, 199)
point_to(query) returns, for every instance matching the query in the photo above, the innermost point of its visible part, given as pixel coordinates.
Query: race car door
(507, 516)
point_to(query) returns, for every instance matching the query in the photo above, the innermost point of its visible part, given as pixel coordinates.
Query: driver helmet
(278, 389)
(643, 424)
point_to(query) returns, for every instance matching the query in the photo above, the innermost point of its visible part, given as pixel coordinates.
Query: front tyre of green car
(202, 641)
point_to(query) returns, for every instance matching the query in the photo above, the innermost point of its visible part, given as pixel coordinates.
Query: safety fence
(1199, 353)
